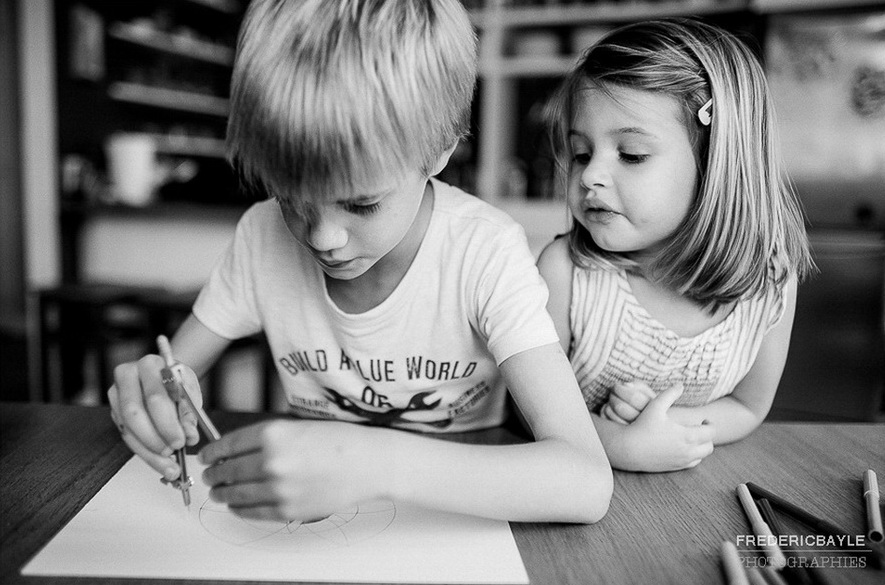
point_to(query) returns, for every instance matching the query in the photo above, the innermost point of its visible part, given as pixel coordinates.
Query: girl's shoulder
(554, 262)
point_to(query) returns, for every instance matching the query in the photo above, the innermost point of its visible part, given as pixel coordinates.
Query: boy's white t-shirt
(425, 358)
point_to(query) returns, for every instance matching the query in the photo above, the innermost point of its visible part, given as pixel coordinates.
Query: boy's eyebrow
(367, 198)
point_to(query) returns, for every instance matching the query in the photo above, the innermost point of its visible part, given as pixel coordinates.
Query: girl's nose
(595, 174)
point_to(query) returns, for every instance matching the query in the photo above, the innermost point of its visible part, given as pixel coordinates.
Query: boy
(388, 298)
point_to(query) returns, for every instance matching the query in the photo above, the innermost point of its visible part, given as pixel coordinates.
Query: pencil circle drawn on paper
(339, 530)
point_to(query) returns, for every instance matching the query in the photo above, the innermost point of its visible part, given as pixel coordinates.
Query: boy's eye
(362, 209)
(633, 159)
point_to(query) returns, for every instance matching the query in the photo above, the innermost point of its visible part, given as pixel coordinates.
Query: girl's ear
(443, 160)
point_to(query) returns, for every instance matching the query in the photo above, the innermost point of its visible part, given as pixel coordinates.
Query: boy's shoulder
(455, 206)
(265, 209)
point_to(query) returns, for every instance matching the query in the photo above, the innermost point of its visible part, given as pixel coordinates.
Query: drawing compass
(174, 386)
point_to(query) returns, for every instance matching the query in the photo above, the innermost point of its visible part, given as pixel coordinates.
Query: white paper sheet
(137, 527)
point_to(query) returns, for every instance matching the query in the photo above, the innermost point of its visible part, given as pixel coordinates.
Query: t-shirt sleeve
(510, 298)
(226, 304)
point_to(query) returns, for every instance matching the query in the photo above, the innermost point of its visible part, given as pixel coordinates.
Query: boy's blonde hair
(327, 91)
(745, 229)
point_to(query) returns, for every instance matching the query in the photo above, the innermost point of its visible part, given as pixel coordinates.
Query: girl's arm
(657, 443)
(141, 407)
(555, 267)
(735, 416)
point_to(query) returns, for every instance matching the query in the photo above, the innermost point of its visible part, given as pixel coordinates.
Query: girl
(674, 291)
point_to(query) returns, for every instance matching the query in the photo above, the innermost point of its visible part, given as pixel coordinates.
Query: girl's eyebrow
(626, 130)
(631, 130)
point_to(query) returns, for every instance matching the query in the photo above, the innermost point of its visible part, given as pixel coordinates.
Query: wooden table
(661, 528)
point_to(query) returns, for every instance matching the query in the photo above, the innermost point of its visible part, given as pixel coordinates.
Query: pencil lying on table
(798, 575)
(871, 499)
(760, 527)
(818, 524)
(731, 565)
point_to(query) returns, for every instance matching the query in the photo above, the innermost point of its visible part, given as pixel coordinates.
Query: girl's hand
(147, 418)
(658, 443)
(626, 401)
(294, 470)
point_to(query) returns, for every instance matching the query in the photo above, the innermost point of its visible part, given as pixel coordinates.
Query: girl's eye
(362, 209)
(633, 159)
(581, 158)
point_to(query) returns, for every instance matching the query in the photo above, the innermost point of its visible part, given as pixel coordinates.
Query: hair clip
(704, 114)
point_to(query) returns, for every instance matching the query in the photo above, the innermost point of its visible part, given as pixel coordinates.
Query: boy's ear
(443, 160)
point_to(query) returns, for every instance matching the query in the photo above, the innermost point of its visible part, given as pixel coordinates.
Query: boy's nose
(325, 235)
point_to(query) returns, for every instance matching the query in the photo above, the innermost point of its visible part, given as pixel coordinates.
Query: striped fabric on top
(614, 339)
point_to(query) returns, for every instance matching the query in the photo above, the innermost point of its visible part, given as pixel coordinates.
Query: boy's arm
(198, 347)
(735, 416)
(309, 469)
(141, 407)
(563, 476)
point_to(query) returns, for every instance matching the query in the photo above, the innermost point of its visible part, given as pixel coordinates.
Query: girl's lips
(600, 215)
(599, 212)
(597, 206)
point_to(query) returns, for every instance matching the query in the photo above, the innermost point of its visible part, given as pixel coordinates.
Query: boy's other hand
(658, 443)
(146, 416)
(626, 401)
(293, 470)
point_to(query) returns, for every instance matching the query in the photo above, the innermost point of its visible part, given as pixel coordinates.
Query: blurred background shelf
(503, 15)
(781, 6)
(175, 44)
(162, 68)
(171, 99)
(233, 7)
(189, 145)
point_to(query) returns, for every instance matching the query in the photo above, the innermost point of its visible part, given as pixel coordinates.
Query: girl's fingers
(665, 399)
(699, 435)
(624, 410)
(611, 415)
(636, 394)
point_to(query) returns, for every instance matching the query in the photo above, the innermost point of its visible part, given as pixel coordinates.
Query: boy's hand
(292, 470)
(658, 443)
(626, 401)
(147, 418)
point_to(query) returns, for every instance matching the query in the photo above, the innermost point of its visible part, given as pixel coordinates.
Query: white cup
(132, 167)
